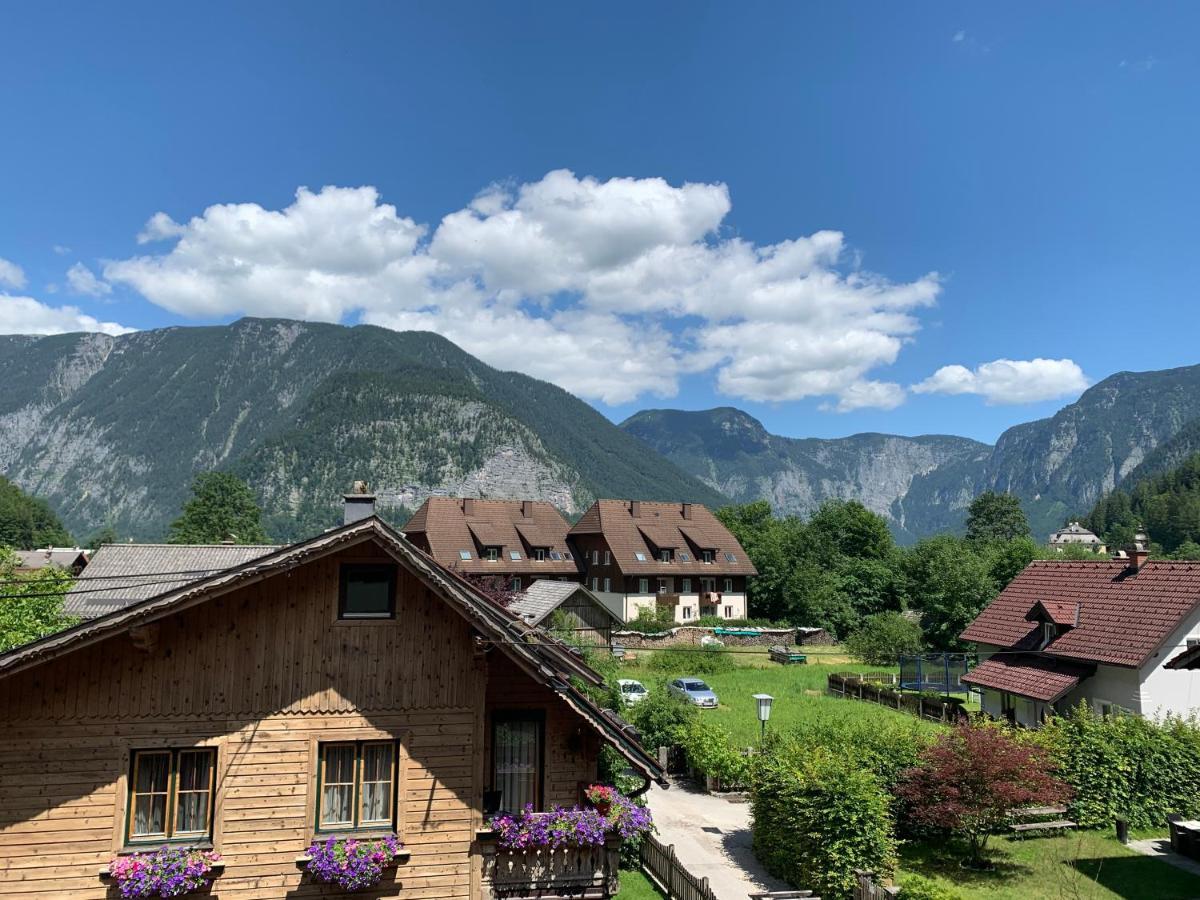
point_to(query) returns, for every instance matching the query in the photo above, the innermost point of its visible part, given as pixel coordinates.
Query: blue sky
(794, 209)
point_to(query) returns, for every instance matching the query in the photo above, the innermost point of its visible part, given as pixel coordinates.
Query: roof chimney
(526, 509)
(468, 506)
(687, 510)
(1139, 552)
(359, 503)
(635, 508)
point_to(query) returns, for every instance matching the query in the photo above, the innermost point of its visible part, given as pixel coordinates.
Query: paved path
(1160, 848)
(712, 838)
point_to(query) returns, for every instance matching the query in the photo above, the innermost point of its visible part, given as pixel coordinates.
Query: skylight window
(640, 557)
(729, 557)
(685, 556)
(566, 554)
(555, 555)
(464, 554)
(514, 554)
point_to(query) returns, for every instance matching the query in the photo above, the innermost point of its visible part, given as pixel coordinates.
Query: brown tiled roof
(665, 537)
(1040, 678)
(625, 535)
(1124, 616)
(493, 523)
(1059, 612)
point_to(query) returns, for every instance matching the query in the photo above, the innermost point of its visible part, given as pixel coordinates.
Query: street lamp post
(764, 712)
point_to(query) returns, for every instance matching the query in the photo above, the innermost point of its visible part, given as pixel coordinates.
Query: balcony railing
(587, 873)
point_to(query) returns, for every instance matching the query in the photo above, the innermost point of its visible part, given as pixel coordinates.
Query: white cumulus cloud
(611, 289)
(25, 315)
(1009, 381)
(82, 280)
(11, 275)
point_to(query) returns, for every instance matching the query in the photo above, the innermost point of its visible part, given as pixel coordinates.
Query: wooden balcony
(578, 873)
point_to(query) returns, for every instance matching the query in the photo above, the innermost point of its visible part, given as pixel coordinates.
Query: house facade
(514, 541)
(1075, 535)
(640, 555)
(1098, 632)
(346, 685)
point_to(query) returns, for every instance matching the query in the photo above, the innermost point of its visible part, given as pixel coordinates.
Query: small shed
(70, 559)
(566, 606)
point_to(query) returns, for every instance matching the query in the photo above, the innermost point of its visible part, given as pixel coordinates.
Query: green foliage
(653, 619)
(950, 582)
(710, 751)
(222, 507)
(105, 535)
(817, 818)
(1167, 505)
(996, 517)
(692, 661)
(27, 523)
(1126, 766)
(882, 745)
(883, 637)
(662, 719)
(917, 887)
(32, 603)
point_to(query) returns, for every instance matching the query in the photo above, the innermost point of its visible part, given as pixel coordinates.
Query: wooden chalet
(241, 711)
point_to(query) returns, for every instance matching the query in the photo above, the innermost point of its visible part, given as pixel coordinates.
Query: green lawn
(799, 691)
(636, 886)
(1082, 865)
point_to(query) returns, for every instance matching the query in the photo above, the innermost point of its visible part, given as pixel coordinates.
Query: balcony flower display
(574, 827)
(350, 863)
(167, 872)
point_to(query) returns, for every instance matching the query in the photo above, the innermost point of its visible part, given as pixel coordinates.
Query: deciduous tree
(996, 517)
(31, 603)
(222, 507)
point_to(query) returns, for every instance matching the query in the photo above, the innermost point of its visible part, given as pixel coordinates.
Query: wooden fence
(855, 687)
(661, 865)
(866, 888)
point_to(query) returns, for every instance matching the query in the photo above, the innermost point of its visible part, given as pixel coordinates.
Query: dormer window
(491, 554)
(664, 556)
(1049, 632)
(539, 554)
(707, 557)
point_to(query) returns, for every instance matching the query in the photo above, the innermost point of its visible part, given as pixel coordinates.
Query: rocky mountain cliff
(1058, 466)
(112, 429)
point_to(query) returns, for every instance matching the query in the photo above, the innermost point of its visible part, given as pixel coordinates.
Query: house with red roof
(1100, 632)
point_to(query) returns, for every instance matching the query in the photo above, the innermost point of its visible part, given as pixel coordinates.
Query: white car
(632, 692)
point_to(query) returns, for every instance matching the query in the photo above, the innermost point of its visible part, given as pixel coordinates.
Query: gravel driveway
(711, 838)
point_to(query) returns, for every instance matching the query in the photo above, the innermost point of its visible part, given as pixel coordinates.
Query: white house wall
(1168, 690)
(1110, 684)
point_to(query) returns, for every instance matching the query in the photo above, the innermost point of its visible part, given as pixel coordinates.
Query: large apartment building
(637, 554)
(632, 554)
(517, 540)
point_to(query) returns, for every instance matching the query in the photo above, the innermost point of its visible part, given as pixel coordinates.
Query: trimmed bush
(882, 638)
(916, 887)
(818, 817)
(698, 661)
(1125, 766)
(709, 750)
(885, 746)
(661, 719)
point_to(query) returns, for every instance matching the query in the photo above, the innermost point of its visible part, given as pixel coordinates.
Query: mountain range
(111, 431)
(1120, 428)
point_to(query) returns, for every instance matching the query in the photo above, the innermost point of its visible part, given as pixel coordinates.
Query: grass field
(1083, 865)
(636, 886)
(799, 691)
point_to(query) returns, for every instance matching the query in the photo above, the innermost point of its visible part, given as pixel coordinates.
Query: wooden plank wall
(263, 674)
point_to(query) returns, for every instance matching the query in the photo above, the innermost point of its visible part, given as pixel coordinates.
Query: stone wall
(693, 635)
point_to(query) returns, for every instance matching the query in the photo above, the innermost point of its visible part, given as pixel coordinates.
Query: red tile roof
(1039, 678)
(1124, 616)
(686, 528)
(1059, 612)
(1186, 659)
(448, 529)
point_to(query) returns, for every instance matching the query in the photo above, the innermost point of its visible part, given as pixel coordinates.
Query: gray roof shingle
(122, 574)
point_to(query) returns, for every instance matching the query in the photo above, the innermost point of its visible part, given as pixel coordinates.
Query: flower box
(166, 872)
(352, 863)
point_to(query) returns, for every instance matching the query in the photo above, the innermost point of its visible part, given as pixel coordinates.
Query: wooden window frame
(344, 574)
(187, 838)
(392, 826)
(521, 715)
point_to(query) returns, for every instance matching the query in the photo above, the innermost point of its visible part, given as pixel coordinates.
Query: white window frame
(729, 585)
(686, 586)
(607, 558)
(607, 585)
(595, 583)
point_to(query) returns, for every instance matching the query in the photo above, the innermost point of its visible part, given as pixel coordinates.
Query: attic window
(640, 557)
(684, 556)
(566, 554)
(539, 553)
(514, 555)
(1049, 632)
(492, 554)
(664, 555)
(367, 592)
(555, 555)
(729, 557)
(707, 556)
(464, 554)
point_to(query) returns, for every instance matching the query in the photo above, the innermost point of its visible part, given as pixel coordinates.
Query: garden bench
(1032, 818)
